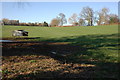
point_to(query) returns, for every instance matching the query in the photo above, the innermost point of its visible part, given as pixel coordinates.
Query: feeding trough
(19, 33)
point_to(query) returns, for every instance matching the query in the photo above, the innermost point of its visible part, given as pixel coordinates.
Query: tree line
(87, 17)
(16, 22)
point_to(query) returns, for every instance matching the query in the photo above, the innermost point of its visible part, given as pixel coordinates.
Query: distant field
(59, 32)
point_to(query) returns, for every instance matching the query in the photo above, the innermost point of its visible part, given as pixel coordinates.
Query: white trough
(19, 33)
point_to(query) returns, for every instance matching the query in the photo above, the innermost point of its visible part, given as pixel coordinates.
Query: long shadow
(90, 49)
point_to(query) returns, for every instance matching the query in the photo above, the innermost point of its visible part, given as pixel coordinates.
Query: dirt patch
(33, 60)
(41, 66)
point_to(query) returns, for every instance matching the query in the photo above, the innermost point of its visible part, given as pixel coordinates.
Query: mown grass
(82, 52)
(59, 32)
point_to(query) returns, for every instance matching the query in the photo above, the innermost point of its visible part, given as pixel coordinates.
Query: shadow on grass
(100, 50)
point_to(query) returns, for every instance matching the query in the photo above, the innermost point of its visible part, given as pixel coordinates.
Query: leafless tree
(87, 14)
(5, 21)
(73, 19)
(113, 18)
(103, 17)
(55, 22)
(81, 22)
(62, 19)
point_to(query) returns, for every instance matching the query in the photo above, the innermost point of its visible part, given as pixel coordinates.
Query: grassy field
(62, 52)
(59, 32)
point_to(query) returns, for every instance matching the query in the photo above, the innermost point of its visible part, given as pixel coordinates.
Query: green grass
(97, 41)
(59, 32)
(32, 61)
(94, 45)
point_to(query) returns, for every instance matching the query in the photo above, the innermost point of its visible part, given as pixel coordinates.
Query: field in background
(62, 52)
(59, 32)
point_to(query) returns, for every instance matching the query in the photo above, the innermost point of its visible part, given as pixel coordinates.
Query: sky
(46, 11)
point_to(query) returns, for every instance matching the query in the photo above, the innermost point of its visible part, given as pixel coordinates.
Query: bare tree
(113, 18)
(62, 19)
(73, 19)
(103, 17)
(81, 22)
(55, 22)
(5, 21)
(87, 14)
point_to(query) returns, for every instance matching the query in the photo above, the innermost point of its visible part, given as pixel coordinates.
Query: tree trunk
(91, 22)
